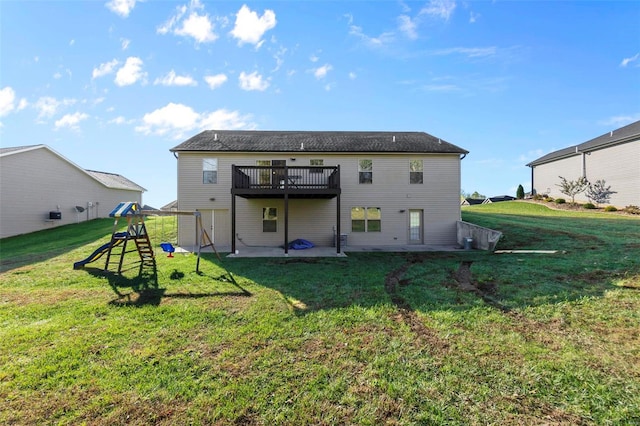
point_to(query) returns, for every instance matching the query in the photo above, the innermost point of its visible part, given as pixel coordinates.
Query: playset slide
(99, 252)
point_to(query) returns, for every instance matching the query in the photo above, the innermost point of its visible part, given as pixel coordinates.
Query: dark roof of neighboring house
(316, 141)
(621, 135)
(498, 199)
(110, 180)
(171, 206)
(115, 181)
(472, 201)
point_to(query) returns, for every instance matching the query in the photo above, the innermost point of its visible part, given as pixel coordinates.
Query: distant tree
(477, 196)
(571, 188)
(599, 192)
(520, 192)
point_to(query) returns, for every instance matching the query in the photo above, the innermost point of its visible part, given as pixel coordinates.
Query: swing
(165, 246)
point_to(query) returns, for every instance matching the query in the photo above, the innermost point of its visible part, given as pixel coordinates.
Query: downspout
(533, 191)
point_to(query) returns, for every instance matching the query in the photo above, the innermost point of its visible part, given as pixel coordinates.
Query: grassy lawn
(407, 338)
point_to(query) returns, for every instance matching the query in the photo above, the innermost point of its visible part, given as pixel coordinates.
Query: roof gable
(110, 180)
(615, 137)
(315, 141)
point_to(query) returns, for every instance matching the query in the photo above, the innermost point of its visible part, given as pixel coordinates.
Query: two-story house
(266, 188)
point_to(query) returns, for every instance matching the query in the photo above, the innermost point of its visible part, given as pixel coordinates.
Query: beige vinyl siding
(545, 176)
(314, 219)
(37, 181)
(619, 166)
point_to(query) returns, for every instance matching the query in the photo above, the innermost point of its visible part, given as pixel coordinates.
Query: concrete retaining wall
(483, 238)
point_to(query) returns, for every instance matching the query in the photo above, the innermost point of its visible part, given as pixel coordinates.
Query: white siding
(546, 176)
(314, 219)
(35, 182)
(618, 165)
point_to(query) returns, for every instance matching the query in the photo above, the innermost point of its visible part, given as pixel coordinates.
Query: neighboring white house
(613, 157)
(40, 189)
(265, 188)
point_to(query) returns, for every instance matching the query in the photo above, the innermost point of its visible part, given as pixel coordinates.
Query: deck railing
(290, 178)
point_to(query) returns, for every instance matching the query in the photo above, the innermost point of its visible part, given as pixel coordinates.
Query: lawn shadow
(438, 281)
(22, 250)
(145, 290)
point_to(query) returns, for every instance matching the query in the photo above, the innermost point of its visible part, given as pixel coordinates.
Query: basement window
(366, 219)
(269, 219)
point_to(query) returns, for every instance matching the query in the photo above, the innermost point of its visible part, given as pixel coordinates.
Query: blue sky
(113, 85)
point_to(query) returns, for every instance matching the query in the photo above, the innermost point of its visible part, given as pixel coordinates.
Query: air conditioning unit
(55, 215)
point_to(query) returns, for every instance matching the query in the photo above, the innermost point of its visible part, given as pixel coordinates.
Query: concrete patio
(323, 251)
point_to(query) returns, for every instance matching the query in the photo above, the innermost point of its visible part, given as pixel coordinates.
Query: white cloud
(172, 79)
(125, 43)
(72, 42)
(48, 106)
(223, 119)
(22, 104)
(470, 52)
(71, 120)
(439, 9)
(170, 118)
(314, 58)
(473, 17)
(215, 81)
(176, 119)
(627, 61)
(7, 98)
(104, 69)
(620, 120)
(249, 27)
(530, 156)
(353, 75)
(57, 76)
(373, 42)
(278, 56)
(121, 7)
(195, 25)
(329, 86)
(407, 26)
(120, 120)
(322, 71)
(253, 81)
(131, 72)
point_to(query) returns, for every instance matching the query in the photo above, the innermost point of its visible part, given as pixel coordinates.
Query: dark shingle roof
(314, 141)
(115, 181)
(621, 135)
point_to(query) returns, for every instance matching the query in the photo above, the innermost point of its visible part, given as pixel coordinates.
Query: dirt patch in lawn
(405, 313)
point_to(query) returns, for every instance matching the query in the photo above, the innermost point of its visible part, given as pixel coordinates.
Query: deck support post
(233, 223)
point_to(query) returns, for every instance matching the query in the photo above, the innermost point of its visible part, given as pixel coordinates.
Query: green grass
(375, 338)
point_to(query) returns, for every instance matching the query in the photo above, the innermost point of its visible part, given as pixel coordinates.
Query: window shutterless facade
(209, 170)
(416, 171)
(366, 219)
(269, 219)
(365, 171)
(316, 162)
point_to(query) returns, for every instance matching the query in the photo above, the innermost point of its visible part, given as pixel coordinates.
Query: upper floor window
(209, 170)
(365, 171)
(415, 171)
(316, 162)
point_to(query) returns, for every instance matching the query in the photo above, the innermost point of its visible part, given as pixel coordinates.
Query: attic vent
(301, 146)
(394, 138)
(611, 133)
(215, 136)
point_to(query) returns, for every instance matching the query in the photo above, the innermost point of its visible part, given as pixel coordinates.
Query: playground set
(116, 248)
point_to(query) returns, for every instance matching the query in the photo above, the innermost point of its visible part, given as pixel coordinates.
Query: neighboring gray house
(41, 189)
(613, 157)
(265, 188)
(471, 201)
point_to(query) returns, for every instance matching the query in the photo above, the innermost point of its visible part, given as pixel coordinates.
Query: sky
(114, 85)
